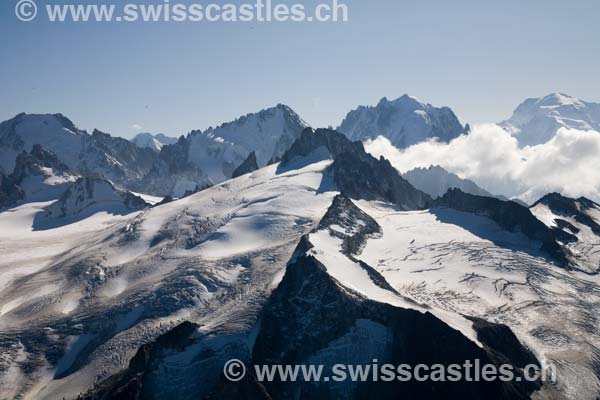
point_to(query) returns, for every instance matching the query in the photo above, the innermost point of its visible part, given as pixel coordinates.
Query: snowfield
(466, 265)
(99, 288)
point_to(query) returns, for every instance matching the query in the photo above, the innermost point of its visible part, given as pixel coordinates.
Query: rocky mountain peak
(404, 121)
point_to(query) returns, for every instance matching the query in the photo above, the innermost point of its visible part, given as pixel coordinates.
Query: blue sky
(481, 58)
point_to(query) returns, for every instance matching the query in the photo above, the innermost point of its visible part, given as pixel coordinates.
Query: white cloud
(568, 163)
(136, 127)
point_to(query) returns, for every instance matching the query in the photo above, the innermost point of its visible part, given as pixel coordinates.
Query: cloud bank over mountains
(491, 156)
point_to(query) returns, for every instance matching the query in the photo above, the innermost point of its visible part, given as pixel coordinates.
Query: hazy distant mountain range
(162, 165)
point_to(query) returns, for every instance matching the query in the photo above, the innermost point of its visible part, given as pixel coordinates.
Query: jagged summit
(356, 173)
(404, 121)
(268, 133)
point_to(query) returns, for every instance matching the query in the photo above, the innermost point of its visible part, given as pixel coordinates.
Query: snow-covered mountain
(536, 120)
(327, 257)
(153, 142)
(268, 133)
(436, 181)
(53, 132)
(155, 164)
(115, 158)
(404, 121)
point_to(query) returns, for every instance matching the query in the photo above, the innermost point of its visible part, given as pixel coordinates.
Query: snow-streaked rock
(577, 222)
(41, 175)
(116, 158)
(172, 174)
(268, 133)
(90, 195)
(404, 121)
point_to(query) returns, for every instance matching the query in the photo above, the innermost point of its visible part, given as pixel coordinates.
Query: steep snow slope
(404, 121)
(467, 265)
(153, 142)
(537, 120)
(269, 133)
(212, 258)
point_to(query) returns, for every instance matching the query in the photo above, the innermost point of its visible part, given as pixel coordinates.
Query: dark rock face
(31, 164)
(508, 215)
(10, 193)
(309, 312)
(310, 140)
(502, 342)
(356, 225)
(356, 173)
(27, 165)
(171, 165)
(248, 166)
(135, 162)
(575, 208)
(129, 384)
(370, 179)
